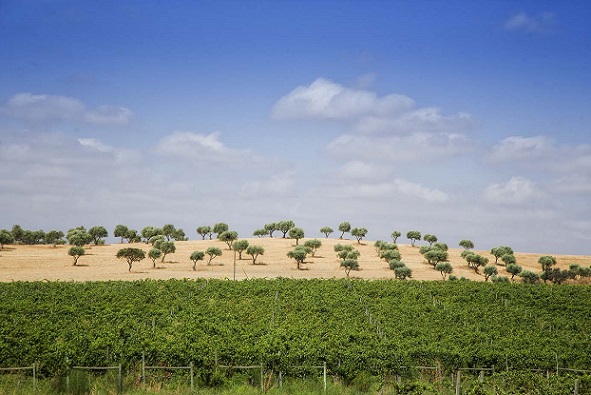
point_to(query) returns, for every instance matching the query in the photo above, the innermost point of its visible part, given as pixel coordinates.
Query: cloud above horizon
(46, 108)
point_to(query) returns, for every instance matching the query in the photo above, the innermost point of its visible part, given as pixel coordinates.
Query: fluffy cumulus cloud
(45, 108)
(516, 191)
(540, 23)
(324, 99)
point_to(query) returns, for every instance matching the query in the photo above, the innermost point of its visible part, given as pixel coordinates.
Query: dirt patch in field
(38, 263)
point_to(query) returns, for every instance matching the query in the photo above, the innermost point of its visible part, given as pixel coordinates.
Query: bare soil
(47, 263)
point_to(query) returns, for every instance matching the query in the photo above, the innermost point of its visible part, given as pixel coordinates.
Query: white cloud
(427, 147)
(324, 99)
(109, 114)
(361, 170)
(516, 191)
(540, 23)
(199, 147)
(522, 148)
(42, 108)
(421, 192)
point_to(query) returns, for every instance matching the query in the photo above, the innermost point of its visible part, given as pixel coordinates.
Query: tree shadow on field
(81, 265)
(259, 264)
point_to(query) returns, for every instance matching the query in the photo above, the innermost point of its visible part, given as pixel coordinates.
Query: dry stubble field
(39, 263)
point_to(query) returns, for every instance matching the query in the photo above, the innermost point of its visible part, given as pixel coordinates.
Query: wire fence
(456, 381)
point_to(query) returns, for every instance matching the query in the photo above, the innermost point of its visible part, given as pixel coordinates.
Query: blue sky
(466, 119)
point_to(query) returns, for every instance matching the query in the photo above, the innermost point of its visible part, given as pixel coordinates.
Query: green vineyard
(354, 327)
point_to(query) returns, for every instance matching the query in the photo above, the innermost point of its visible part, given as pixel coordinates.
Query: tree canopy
(297, 234)
(76, 252)
(98, 233)
(344, 227)
(284, 226)
(413, 236)
(254, 251)
(359, 233)
(326, 230)
(197, 256)
(131, 255)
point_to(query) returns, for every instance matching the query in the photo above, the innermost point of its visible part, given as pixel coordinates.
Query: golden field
(47, 263)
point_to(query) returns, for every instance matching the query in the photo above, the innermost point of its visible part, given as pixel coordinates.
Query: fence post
(324, 374)
(120, 381)
(576, 387)
(481, 376)
(34, 376)
(458, 378)
(191, 366)
(144, 370)
(67, 374)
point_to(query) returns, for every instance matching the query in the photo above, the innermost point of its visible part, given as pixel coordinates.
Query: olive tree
(327, 230)
(55, 237)
(213, 252)
(204, 231)
(508, 259)
(166, 247)
(344, 227)
(444, 268)
(313, 244)
(270, 228)
(254, 252)
(297, 234)
(490, 270)
(197, 256)
(395, 235)
(78, 236)
(76, 252)
(513, 269)
(413, 236)
(475, 261)
(299, 255)
(120, 231)
(284, 226)
(133, 236)
(5, 238)
(547, 262)
(98, 233)
(430, 239)
(220, 228)
(260, 233)
(467, 244)
(435, 256)
(240, 246)
(529, 277)
(154, 254)
(403, 272)
(131, 255)
(228, 237)
(389, 254)
(149, 231)
(349, 264)
(499, 251)
(359, 233)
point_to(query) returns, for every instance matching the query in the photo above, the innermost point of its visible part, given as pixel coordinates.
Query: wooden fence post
(324, 374)
(458, 378)
(192, 384)
(120, 381)
(144, 370)
(576, 387)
